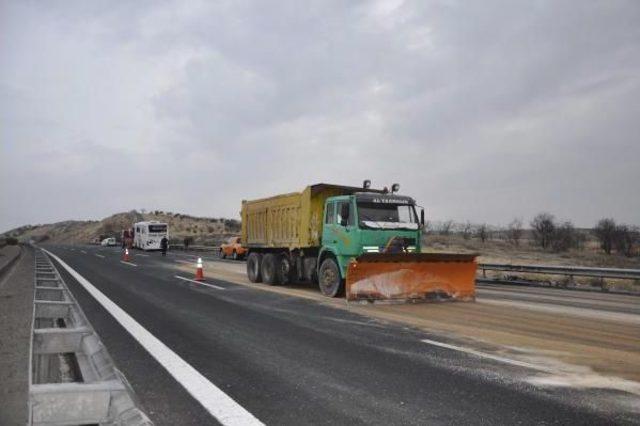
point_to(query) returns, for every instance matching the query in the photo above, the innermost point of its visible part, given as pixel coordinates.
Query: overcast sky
(481, 110)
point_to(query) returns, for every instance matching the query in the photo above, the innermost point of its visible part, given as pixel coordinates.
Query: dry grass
(501, 251)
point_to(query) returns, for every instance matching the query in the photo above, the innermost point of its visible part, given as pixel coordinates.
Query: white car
(108, 242)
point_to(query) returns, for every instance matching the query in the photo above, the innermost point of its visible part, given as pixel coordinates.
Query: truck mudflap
(411, 277)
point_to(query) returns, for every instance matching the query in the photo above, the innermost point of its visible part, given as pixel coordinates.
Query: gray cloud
(482, 110)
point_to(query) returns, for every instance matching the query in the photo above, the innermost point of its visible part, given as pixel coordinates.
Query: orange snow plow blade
(412, 277)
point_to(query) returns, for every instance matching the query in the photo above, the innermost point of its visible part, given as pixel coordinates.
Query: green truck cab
(366, 222)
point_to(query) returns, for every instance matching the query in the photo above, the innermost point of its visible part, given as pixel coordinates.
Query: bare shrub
(466, 229)
(445, 227)
(580, 240)
(515, 231)
(543, 226)
(483, 232)
(625, 238)
(11, 241)
(564, 237)
(605, 231)
(428, 227)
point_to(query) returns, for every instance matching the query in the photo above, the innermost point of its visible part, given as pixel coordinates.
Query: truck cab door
(328, 230)
(339, 232)
(346, 231)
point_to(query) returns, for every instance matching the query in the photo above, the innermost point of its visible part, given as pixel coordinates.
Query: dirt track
(589, 350)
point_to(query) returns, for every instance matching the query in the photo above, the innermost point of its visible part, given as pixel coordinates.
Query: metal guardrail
(73, 379)
(601, 274)
(213, 249)
(571, 271)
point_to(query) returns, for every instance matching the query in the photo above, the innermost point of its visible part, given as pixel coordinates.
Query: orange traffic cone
(199, 274)
(126, 255)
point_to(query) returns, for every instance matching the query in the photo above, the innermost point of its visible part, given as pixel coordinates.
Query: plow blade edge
(411, 277)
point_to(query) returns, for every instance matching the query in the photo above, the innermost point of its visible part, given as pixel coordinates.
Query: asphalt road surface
(289, 360)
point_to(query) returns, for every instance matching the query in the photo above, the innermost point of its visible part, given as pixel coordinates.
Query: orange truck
(233, 249)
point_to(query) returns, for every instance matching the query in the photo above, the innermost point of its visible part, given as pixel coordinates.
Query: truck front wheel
(329, 279)
(253, 267)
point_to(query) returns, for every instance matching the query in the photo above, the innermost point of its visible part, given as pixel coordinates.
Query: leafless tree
(625, 238)
(543, 226)
(482, 232)
(445, 227)
(466, 229)
(564, 237)
(428, 227)
(515, 231)
(580, 239)
(605, 231)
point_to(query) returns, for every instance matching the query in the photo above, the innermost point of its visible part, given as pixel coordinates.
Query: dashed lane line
(220, 405)
(99, 255)
(128, 263)
(217, 287)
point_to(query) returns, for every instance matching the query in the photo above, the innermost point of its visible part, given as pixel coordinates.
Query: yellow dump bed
(291, 220)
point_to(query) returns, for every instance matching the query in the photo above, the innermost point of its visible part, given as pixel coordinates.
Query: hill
(202, 230)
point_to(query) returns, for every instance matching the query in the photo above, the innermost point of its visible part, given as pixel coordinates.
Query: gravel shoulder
(7, 256)
(16, 308)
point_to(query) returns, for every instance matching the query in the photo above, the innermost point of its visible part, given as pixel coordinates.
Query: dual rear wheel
(277, 268)
(270, 268)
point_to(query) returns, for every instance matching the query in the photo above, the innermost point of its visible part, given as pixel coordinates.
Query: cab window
(339, 213)
(330, 216)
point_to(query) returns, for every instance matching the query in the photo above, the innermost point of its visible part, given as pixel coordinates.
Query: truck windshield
(387, 216)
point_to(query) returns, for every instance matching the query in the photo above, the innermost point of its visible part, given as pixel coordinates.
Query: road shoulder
(16, 308)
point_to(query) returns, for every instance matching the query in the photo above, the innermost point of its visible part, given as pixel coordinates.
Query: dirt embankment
(202, 230)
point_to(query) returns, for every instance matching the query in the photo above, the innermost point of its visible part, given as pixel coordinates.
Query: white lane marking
(567, 310)
(82, 251)
(217, 287)
(99, 255)
(184, 261)
(128, 263)
(488, 356)
(143, 255)
(215, 401)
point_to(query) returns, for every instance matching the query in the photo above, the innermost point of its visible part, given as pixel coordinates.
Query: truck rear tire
(269, 266)
(285, 269)
(329, 279)
(254, 271)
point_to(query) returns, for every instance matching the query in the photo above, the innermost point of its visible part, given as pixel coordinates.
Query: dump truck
(359, 242)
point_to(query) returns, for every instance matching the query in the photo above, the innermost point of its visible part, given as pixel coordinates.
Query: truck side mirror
(422, 217)
(344, 214)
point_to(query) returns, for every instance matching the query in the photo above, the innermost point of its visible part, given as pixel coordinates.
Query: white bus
(147, 235)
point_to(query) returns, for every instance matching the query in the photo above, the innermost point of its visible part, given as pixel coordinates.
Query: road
(295, 360)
